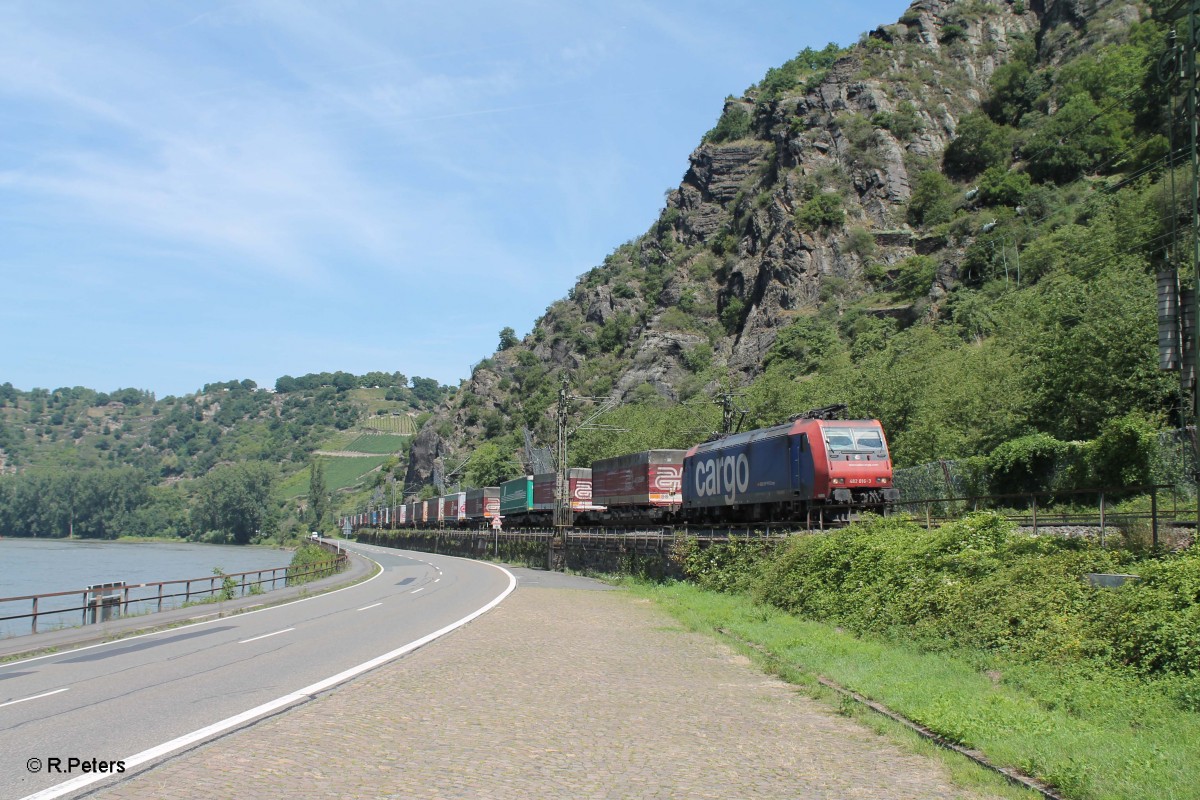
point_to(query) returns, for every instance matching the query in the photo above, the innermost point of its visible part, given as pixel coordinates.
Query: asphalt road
(141, 699)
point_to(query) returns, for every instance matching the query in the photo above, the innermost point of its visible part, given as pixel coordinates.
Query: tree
(318, 494)
(978, 145)
(508, 338)
(930, 202)
(235, 501)
(490, 466)
(426, 390)
(1078, 138)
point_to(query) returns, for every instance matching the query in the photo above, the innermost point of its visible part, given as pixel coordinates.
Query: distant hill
(166, 448)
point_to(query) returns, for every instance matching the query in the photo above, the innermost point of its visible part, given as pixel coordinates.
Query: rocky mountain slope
(798, 205)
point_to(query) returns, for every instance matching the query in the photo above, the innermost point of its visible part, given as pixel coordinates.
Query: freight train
(815, 464)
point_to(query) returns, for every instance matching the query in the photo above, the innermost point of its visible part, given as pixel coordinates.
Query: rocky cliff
(798, 190)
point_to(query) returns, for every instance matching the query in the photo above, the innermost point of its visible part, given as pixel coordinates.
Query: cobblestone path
(557, 693)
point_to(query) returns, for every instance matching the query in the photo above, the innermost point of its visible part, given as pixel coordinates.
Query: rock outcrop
(740, 249)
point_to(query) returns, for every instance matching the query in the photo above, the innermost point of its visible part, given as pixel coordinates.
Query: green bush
(698, 358)
(1153, 624)
(903, 122)
(1026, 465)
(806, 68)
(952, 33)
(1000, 186)
(1125, 451)
(731, 567)
(972, 582)
(731, 314)
(915, 276)
(309, 557)
(860, 241)
(978, 145)
(822, 211)
(931, 201)
(734, 124)
(1078, 138)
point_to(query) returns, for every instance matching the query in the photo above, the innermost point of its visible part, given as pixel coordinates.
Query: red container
(648, 478)
(483, 503)
(454, 507)
(579, 489)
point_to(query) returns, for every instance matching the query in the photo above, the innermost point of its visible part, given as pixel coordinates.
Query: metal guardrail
(103, 599)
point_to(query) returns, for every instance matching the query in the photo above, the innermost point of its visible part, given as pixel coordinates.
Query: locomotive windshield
(842, 440)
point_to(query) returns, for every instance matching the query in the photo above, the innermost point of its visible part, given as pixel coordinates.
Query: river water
(40, 566)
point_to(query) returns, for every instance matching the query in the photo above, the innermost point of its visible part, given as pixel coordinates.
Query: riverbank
(16, 648)
(46, 566)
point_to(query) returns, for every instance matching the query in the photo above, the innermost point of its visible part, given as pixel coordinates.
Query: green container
(516, 496)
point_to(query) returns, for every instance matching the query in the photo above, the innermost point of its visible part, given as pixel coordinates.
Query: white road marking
(414, 591)
(34, 697)
(364, 608)
(265, 635)
(435, 580)
(266, 708)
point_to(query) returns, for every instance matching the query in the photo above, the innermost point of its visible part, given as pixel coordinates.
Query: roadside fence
(104, 601)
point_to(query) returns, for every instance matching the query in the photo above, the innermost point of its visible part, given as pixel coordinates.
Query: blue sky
(194, 192)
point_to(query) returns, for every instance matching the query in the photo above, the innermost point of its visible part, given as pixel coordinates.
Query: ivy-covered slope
(952, 225)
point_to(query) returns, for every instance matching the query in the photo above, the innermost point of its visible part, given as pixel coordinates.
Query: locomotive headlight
(881, 480)
(837, 481)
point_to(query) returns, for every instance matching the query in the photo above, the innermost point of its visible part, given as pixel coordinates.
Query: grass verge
(1093, 735)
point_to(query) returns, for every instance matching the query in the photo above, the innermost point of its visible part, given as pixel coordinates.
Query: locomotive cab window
(838, 440)
(843, 440)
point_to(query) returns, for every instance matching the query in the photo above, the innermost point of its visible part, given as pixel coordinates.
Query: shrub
(971, 582)
(822, 211)
(978, 144)
(915, 276)
(731, 314)
(930, 202)
(903, 122)
(952, 33)
(306, 558)
(728, 567)
(999, 186)
(1028, 464)
(1124, 452)
(698, 358)
(860, 241)
(1076, 139)
(807, 67)
(1153, 624)
(733, 124)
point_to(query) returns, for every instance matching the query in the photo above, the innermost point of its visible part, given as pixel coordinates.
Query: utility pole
(1179, 310)
(563, 516)
(1190, 76)
(728, 410)
(562, 484)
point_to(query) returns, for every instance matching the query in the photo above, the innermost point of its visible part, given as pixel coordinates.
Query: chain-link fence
(1172, 463)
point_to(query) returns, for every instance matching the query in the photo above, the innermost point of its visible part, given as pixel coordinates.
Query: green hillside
(127, 463)
(343, 472)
